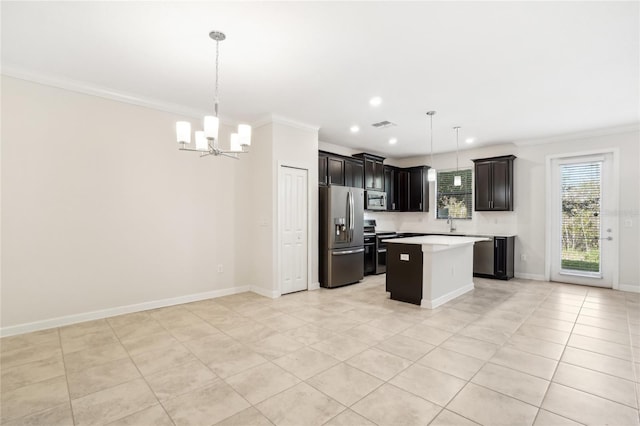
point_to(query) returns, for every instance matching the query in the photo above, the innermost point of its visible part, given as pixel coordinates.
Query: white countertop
(461, 234)
(440, 240)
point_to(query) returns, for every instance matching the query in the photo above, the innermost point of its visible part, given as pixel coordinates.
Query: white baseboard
(273, 294)
(432, 304)
(629, 287)
(120, 310)
(314, 286)
(525, 276)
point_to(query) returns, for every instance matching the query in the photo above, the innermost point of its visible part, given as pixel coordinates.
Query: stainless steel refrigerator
(341, 235)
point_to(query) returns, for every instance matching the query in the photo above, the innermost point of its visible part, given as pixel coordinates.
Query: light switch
(404, 256)
(628, 223)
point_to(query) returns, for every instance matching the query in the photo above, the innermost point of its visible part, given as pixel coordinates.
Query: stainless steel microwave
(375, 200)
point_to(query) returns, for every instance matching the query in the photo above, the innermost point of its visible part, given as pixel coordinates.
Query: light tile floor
(517, 352)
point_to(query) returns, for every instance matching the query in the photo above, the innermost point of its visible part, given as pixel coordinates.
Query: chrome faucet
(452, 225)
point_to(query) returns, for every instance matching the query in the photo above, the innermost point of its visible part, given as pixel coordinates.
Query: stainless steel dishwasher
(483, 256)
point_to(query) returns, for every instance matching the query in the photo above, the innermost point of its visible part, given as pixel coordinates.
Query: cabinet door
(483, 186)
(336, 171)
(369, 170)
(416, 189)
(378, 176)
(402, 190)
(390, 187)
(322, 170)
(501, 185)
(353, 174)
(500, 257)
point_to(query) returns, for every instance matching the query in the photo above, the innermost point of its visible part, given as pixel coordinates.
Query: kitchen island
(430, 270)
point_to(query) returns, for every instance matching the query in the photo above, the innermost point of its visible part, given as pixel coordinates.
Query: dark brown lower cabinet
(404, 272)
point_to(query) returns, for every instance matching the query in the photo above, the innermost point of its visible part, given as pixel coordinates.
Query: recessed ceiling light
(470, 140)
(375, 101)
(393, 141)
(354, 129)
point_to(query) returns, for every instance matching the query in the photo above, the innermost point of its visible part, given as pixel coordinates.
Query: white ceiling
(504, 71)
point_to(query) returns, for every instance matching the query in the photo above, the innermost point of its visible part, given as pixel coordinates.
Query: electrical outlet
(523, 257)
(628, 223)
(220, 268)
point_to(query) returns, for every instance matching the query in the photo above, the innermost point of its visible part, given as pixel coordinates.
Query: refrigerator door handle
(353, 214)
(343, 253)
(349, 215)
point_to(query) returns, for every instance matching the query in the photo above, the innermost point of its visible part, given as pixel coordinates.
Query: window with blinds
(580, 194)
(454, 201)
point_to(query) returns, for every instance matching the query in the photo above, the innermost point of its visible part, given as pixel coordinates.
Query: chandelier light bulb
(201, 141)
(211, 126)
(244, 134)
(183, 132)
(235, 143)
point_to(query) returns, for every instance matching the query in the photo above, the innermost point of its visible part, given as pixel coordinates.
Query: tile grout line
(66, 376)
(141, 376)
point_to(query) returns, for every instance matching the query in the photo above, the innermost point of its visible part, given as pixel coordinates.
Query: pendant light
(457, 179)
(431, 174)
(207, 141)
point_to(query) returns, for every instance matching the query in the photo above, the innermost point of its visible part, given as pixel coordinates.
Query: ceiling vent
(384, 124)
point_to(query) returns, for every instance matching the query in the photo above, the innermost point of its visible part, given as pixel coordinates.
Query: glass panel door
(583, 220)
(581, 212)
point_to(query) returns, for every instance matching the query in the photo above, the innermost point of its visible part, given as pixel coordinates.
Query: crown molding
(279, 119)
(607, 131)
(106, 93)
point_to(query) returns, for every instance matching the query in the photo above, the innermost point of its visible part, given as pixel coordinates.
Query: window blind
(454, 201)
(581, 194)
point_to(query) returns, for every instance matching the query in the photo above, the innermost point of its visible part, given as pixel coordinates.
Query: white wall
(297, 146)
(103, 215)
(281, 143)
(528, 218)
(101, 211)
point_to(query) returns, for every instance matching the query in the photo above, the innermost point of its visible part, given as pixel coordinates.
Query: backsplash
(489, 223)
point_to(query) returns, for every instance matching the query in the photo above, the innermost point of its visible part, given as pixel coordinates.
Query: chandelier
(207, 141)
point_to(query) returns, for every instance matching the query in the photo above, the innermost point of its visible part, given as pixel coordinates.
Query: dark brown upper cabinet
(353, 173)
(391, 188)
(322, 170)
(418, 189)
(335, 168)
(373, 171)
(494, 183)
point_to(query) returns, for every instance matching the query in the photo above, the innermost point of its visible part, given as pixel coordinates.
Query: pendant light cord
(216, 93)
(457, 131)
(431, 131)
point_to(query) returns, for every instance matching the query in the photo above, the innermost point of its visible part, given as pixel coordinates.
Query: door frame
(615, 203)
(278, 237)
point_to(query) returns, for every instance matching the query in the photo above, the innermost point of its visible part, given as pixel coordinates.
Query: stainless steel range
(370, 260)
(376, 262)
(381, 250)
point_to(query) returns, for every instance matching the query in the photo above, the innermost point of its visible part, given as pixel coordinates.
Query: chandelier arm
(185, 148)
(227, 154)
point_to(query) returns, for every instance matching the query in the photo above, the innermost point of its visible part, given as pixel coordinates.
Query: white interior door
(584, 224)
(293, 230)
